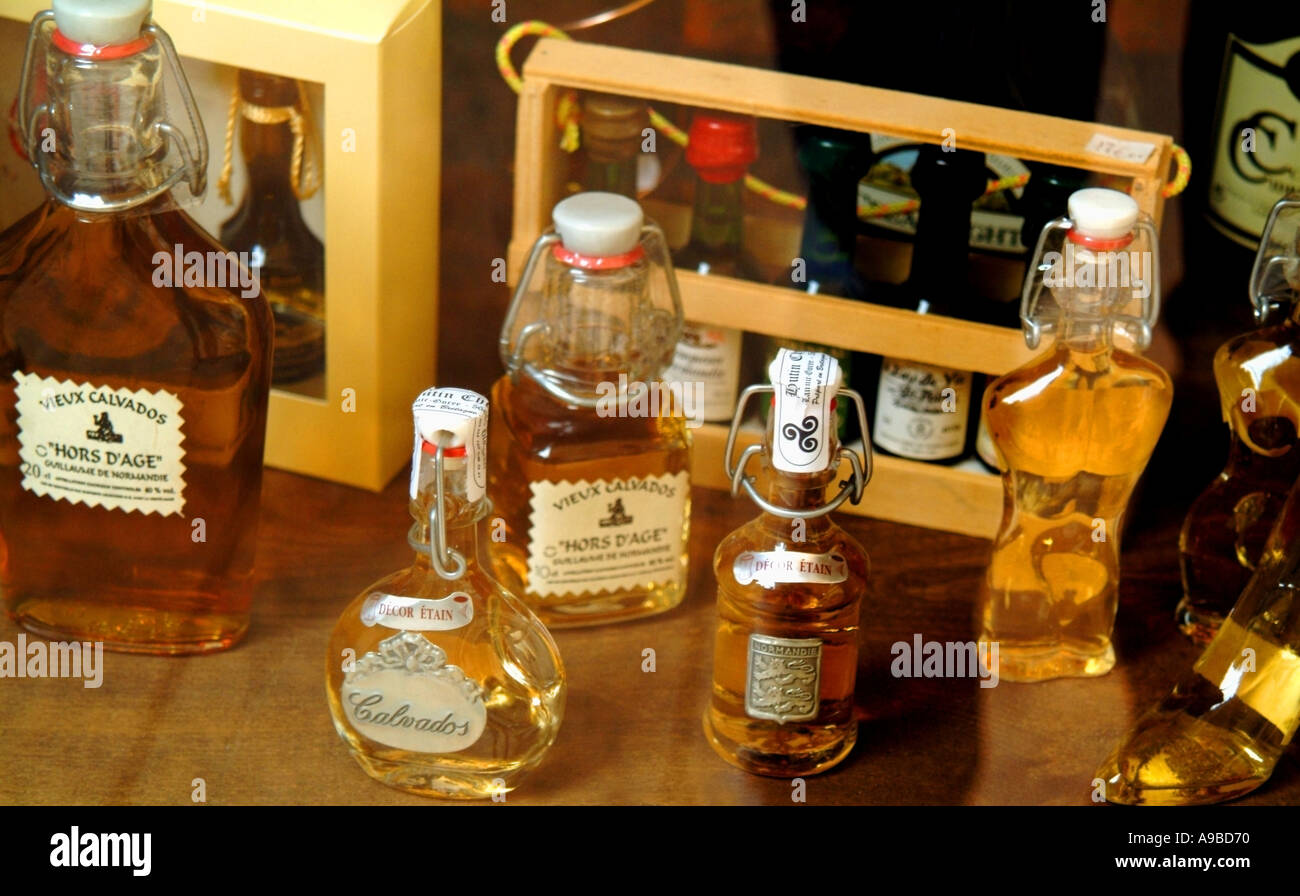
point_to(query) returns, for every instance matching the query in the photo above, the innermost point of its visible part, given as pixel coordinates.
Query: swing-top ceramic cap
(1103, 214)
(454, 419)
(101, 22)
(598, 224)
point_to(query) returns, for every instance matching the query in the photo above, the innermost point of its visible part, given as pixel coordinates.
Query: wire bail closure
(1269, 266)
(1032, 292)
(447, 562)
(850, 489)
(194, 167)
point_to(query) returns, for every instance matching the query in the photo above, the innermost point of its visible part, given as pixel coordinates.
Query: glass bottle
(275, 138)
(926, 412)
(790, 586)
(440, 681)
(1220, 732)
(1258, 375)
(612, 130)
(133, 383)
(590, 474)
(1076, 426)
(720, 150)
(834, 162)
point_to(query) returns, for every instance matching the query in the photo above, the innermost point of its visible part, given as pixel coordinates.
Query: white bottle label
(406, 695)
(461, 414)
(607, 535)
(769, 568)
(783, 678)
(99, 446)
(805, 385)
(921, 411)
(708, 358)
(1256, 138)
(414, 614)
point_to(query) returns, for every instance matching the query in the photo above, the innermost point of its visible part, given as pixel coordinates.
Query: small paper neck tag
(463, 414)
(804, 421)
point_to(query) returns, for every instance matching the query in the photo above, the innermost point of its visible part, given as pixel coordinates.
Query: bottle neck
(829, 232)
(1087, 312)
(797, 491)
(268, 154)
(609, 175)
(717, 222)
(463, 518)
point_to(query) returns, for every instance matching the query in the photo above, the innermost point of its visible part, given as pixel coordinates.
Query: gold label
(1263, 675)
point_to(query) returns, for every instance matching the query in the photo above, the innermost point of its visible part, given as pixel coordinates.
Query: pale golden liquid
(77, 302)
(1076, 431)
(828, 612)
(1226, 527)
(504, 648)
(536, 438)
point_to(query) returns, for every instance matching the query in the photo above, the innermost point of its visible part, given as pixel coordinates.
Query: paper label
(406, 695)
(607, 535)
(1120, 150)
(1256, 138)
(783, 678)
(414, 614)
(769, 568)
(709, 358)
(805, 384)
(921, 411)
(462, 413)
(101, 447)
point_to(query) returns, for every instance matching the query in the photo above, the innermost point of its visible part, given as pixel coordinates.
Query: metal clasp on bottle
(447, 562)
(194, 158)
(1274, 272)
(850, 489)
(1138, 328)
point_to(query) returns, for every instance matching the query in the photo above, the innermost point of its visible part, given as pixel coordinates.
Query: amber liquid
(1226, 527)
(828, 612)
(1076, 429)
(504, 649)
(77, 302)
(536, 438)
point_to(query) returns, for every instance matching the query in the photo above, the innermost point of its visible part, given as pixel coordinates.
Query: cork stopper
(101, 22)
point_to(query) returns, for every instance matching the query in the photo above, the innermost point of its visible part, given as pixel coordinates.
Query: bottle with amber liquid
(439, 680)
(721, 149)
(1221, 731)
(590, 472)
(1258, 375)
(790, 585)
(275, 138)
(612, 130)
(1076, 426)
(134, 403)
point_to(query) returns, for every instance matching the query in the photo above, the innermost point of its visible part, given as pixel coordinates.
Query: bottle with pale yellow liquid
(1220, 732)
(1076, 427)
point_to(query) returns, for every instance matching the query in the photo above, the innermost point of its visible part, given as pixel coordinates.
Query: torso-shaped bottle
(134, 361)
(790, 588)
(590, 472)
(277, 145)
(1075, 427)
(439, 680)
(1258, 375)
(721, 148)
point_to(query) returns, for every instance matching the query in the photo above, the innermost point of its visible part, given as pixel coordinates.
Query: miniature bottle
(276, 141)
(1076, 427)
(790, 585)
(721, 147)
(1220, 732)
(590, 473)
(922, 411)
(834, 162)
(612, 130)
(440, 681)
(134, 381)
(1258, 375)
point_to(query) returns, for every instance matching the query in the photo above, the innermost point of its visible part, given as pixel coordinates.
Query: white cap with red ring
(457, 420)
(101, 22)
(598, 224)
(1102, 214)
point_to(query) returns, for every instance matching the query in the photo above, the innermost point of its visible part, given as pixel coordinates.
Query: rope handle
(567, 117)
(304, 169)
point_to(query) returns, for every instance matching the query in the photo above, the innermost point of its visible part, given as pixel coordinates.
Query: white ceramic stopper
(599, 224)
(1103, 214)
(101, 22)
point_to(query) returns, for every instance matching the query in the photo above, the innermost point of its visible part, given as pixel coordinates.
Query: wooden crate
(904, 491)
